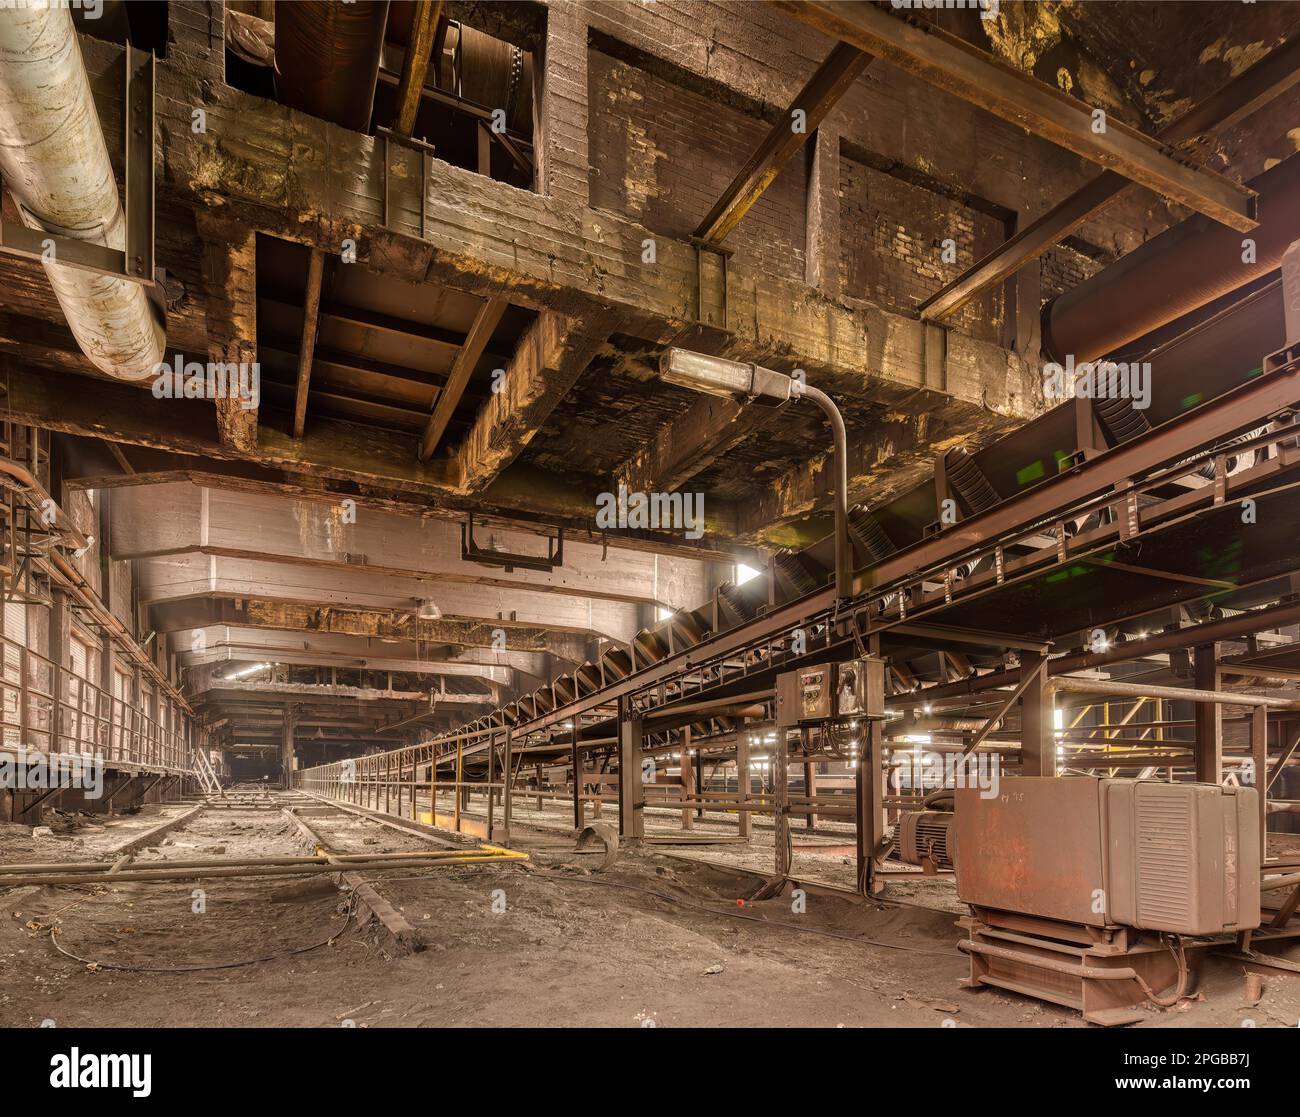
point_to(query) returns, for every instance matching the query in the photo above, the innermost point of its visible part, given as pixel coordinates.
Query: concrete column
(822, 250)
(561, 112)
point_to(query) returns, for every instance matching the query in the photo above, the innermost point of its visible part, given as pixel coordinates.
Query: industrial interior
(650, 514)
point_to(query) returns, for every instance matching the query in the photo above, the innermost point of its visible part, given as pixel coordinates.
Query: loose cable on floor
(347, 918)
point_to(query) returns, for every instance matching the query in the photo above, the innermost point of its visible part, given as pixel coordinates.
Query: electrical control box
(831, 692)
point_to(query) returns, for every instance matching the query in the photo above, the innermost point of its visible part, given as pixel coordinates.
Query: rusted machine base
(1092, 970)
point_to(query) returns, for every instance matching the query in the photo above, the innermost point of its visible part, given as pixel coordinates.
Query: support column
(1259, 755)
(687, 771)
(631, 792)
(507, 801)
(579, 812)
(869, 788)
(742, 778)
(491, 779)
(822, 268)
(1208, 717)
(810, 790)
(286, 748)
(561, 112)
(1037, 723)
(781, 801)
(460, 775)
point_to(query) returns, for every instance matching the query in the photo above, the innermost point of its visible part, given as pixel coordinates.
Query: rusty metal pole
(631, 792)
(1259, 759)
(1209, 717)
(687, 774)
(1037, 725)
(579, 814)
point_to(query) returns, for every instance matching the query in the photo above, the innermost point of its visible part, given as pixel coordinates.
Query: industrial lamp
(427, 610)
(717, 376)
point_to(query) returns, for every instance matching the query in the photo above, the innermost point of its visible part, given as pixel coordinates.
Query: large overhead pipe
(55, 163)
(1173, 274)
(327, 58)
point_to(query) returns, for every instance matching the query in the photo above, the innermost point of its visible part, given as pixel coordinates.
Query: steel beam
(1249, 91)
(476, 343)
(956, 67)
(828, 84)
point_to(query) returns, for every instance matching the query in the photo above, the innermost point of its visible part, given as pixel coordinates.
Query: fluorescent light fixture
(718, 376)
(243, 671)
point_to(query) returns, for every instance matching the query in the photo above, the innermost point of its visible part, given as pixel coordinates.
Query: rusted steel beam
(827, 85)
(956, 67)
(307, 346)
(1275, 74)
(424, 33)
(476, 343)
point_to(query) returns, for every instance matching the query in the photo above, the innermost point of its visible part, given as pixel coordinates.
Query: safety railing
(46, 709)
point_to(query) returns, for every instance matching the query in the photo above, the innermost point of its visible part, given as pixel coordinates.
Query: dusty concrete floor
(570, 948)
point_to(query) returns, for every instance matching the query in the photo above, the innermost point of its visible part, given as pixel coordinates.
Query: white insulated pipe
(56, 165)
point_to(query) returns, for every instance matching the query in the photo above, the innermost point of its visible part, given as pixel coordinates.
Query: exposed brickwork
(1063, 268)
(662, 155)
(891, 236)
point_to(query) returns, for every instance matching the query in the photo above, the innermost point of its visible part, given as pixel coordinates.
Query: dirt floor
(658, 939)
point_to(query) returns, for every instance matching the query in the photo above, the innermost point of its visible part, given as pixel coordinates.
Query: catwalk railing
(46, 709)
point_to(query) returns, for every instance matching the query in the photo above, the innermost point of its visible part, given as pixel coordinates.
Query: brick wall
(891, 234)
(1063, 268)
(662, 155)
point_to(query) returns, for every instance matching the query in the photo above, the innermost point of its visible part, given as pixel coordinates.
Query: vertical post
(491, 779)
(433, 785)
(1037, 722)
(1259, 758)
(539, 789)
(699, 779)
(869, 786)
(781, 786)
(507, 801)
(631, 793)
(742, 779)
(687, 771)
(1208, 717)
(286, 747)
(810, 790)
(460, 775)
(579, 815)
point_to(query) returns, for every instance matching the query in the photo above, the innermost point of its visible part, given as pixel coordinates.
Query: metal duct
(327, 58)
(1173, 274)
(56, 165)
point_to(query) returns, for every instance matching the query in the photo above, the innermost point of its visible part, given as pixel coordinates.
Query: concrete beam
(551, 356)
(230, 275)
